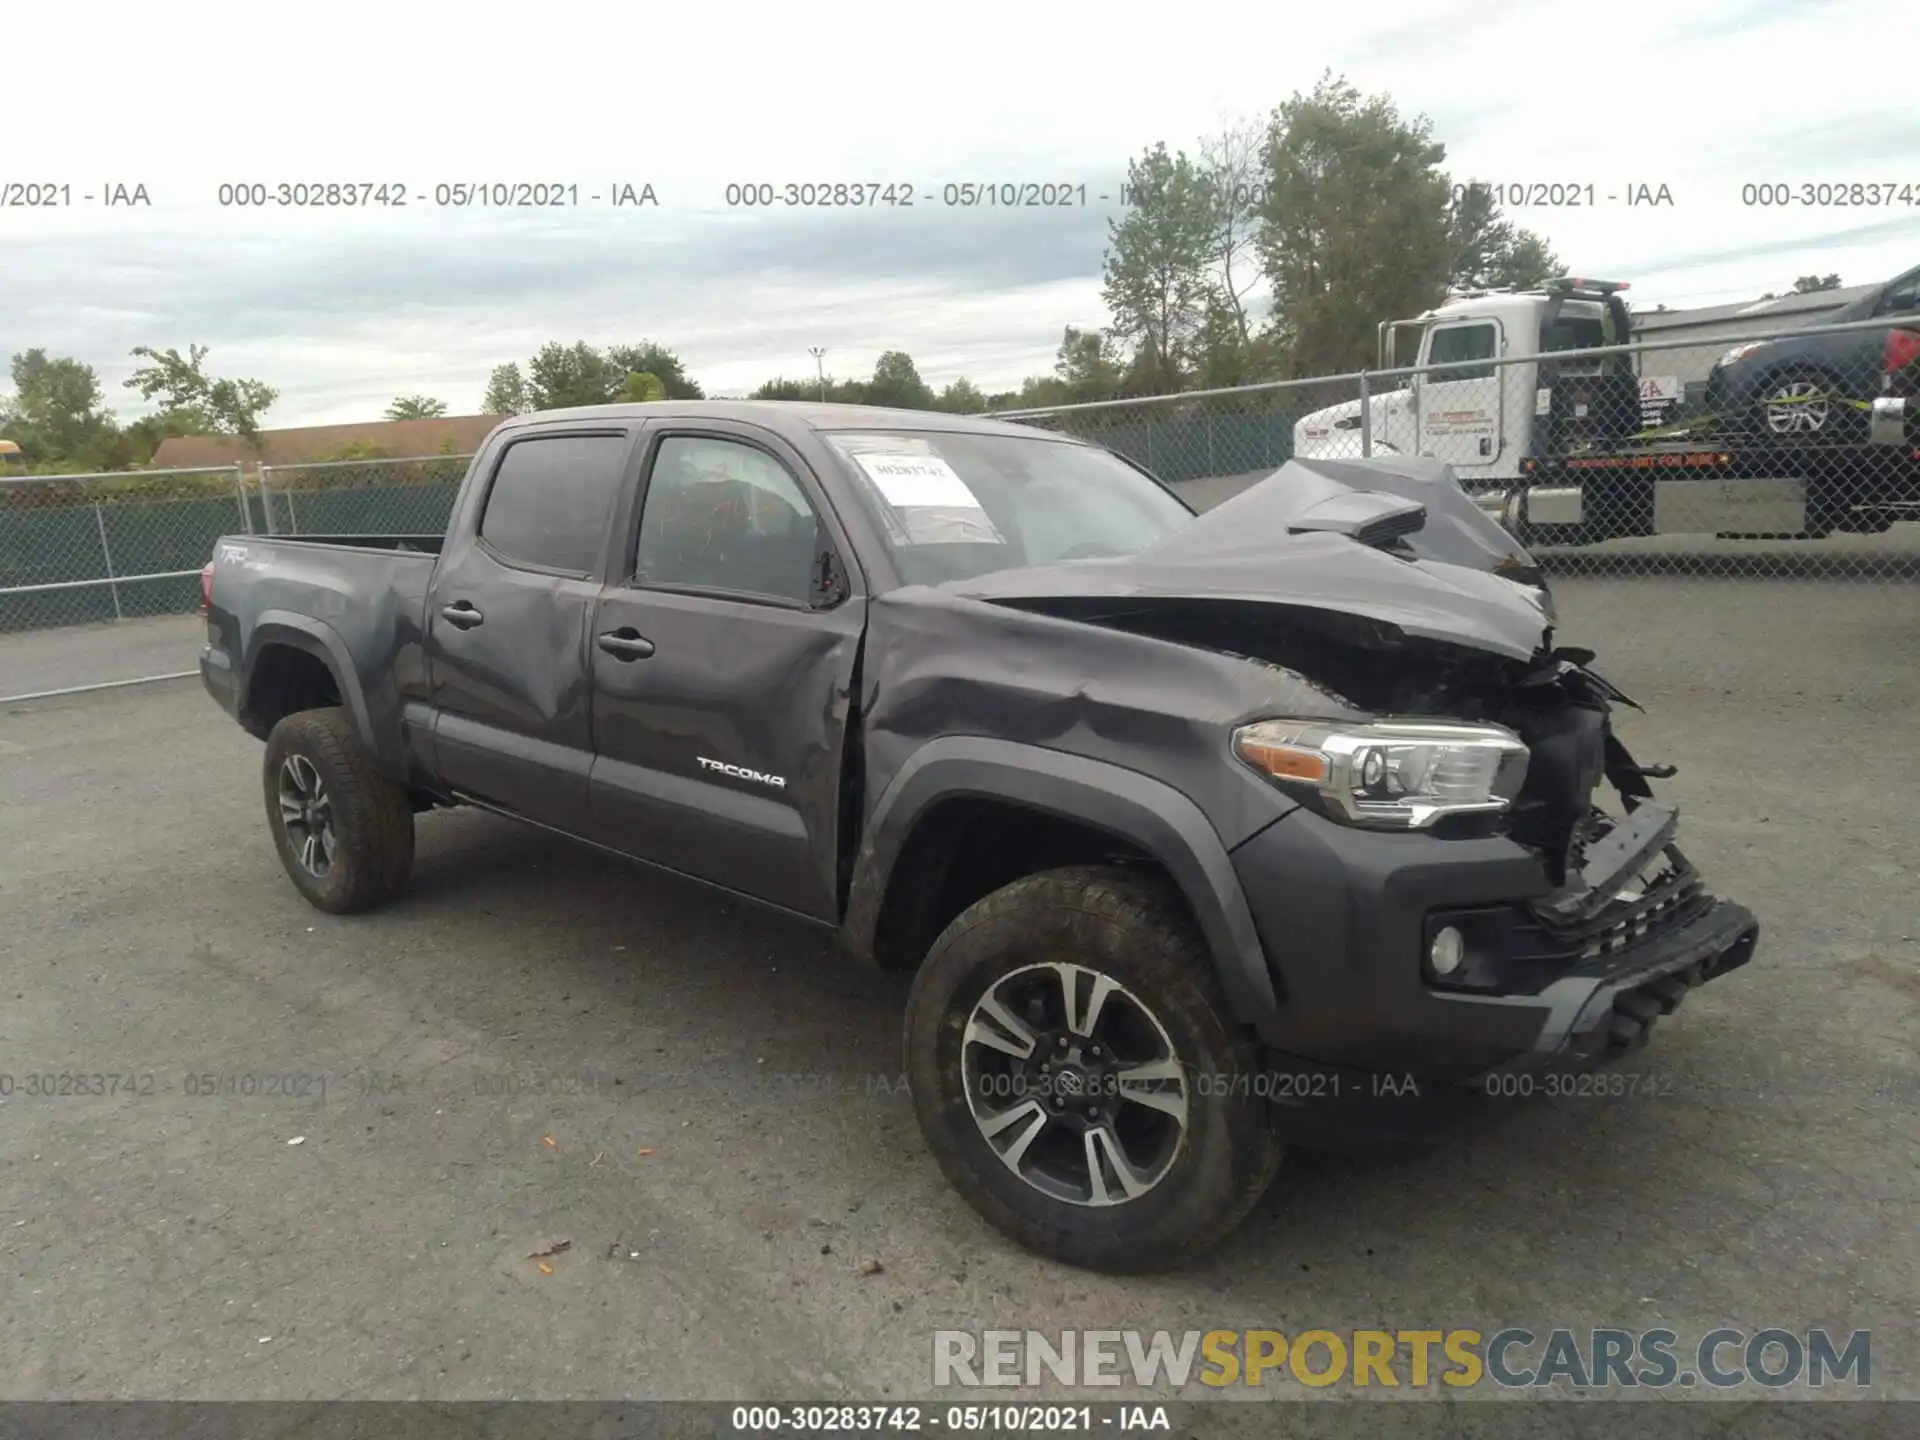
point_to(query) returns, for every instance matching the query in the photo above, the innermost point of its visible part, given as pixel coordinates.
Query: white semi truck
(1568, 448)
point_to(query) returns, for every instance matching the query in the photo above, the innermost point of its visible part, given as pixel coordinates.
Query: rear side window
(552, 500)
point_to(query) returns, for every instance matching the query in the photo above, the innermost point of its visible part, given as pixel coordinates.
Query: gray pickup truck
(1203, 834)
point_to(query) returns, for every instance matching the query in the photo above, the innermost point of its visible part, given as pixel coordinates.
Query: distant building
(1717, 328)
(449, 435)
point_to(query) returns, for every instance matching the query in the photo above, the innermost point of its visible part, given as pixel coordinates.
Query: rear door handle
(626, 643)
(462, 614)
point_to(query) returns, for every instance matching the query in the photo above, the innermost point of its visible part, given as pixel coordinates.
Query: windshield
(955, 506)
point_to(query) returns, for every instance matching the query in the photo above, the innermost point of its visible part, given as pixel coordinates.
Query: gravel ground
(542, 1044)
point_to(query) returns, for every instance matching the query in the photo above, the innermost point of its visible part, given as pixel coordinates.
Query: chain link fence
(1791, 458)
(1599, 457)
(81, 548)
(410, 496)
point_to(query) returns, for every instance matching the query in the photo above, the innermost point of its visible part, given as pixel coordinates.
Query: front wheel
(1079, 1078)
(344, 831)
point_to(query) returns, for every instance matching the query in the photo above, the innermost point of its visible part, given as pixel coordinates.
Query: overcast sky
(343, 311)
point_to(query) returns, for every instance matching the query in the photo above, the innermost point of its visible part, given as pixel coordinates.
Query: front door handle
(626, 643)
(462, 614)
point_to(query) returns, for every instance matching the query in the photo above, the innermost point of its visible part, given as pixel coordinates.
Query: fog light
(1448, 951)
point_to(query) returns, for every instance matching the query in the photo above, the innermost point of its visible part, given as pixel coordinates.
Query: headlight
(1739, 352)
(1389, 775)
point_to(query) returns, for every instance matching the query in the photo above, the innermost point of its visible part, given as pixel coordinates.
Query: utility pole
(819, 354)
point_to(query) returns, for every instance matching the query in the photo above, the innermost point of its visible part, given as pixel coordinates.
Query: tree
(1155, 269)
(838, 392)
(1488, 252)
(1812, 284)
(1227, 354)
(562, 376)
(416, 407)
(189, 394)
(1087, 367)
(506, 392)
(1353, 223)
(1035, 392)
(1231, 169)
(897, 383)
(782, 388)
(647, 358)
(55, 412)
(960, 397)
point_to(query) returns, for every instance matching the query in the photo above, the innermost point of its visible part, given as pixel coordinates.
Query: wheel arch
(274, 683)
(1142, 817)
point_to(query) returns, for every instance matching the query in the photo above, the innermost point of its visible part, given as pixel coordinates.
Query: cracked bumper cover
(1368, 1049)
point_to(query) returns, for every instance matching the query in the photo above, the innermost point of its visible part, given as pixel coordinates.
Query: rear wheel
(343, 830)
(1079, 1078)
(1798, 405)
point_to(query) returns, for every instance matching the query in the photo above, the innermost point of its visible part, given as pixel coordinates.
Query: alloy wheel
(307, 813)
(1799, 407)
(1075, 1084)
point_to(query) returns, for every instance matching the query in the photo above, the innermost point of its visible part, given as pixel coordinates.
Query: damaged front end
(1479, 877)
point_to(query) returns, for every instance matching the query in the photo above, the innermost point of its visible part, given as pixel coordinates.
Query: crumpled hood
(1469, 582)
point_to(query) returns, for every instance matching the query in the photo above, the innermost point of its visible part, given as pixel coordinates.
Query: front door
(507, 625)
(1459, 407)
(722, 671)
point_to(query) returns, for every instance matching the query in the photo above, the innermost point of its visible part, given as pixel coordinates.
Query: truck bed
(358, 601)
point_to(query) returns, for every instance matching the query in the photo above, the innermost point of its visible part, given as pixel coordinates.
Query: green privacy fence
(83, 548)
(1194, 439)
(1194, 449)
(79, 549)
(404, 497)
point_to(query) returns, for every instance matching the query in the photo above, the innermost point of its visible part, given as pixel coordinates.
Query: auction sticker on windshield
(935, 506)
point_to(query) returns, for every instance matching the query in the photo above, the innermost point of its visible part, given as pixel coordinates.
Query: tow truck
(1569, 444)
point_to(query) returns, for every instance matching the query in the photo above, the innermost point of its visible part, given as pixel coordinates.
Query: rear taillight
(206, 588)
(1903, 348)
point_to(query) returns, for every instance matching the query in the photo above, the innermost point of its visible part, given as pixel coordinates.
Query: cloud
(452, 300)
(343, 311)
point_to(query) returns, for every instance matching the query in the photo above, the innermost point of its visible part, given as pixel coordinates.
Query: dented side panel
(940, 665)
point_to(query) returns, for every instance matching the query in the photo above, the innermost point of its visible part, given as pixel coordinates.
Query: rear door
(1460, 407)
(722, 669)
(507, 622)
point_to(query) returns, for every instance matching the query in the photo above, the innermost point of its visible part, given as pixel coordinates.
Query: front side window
(1461, 342)
(724, 515)
(956, 506)
(552, 499)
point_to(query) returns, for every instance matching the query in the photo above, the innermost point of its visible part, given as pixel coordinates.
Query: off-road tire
(1134, 929)
(372, 816)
